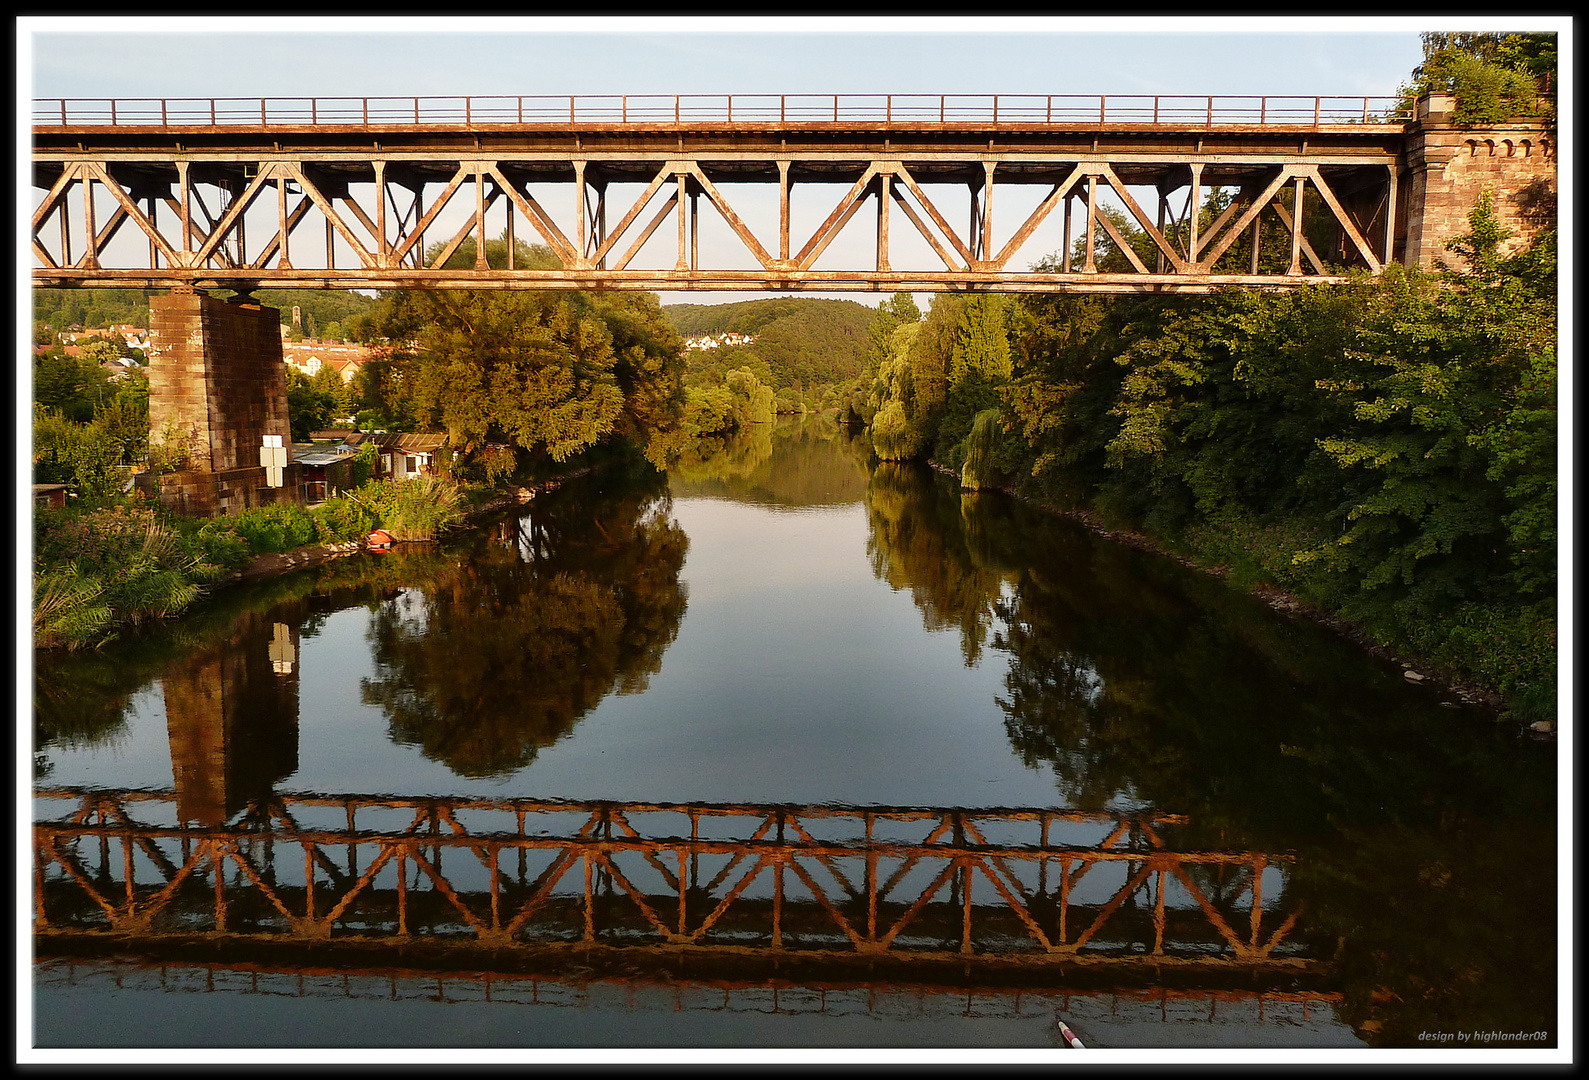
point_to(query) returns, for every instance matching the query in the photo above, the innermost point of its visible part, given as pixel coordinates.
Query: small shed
(53, 495)
(321, 471)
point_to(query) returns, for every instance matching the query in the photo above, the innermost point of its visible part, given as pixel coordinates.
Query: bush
(96, 568)
(419, 508)
(345, 517)
(275, 528)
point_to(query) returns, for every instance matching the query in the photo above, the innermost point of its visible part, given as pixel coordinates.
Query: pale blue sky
(1007, 56)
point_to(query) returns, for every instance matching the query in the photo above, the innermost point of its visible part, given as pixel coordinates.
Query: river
(790, 748)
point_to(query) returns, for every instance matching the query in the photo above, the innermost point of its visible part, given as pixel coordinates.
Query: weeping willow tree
(980, 470)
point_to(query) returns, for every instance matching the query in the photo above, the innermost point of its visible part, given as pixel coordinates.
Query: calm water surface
(931, 769)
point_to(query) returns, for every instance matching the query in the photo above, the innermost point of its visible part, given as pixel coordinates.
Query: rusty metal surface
(1014, 888)
(380, 207)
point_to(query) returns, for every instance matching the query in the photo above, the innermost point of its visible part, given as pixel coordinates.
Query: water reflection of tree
(804, 462)
(1423, 840)
(520, 640)
(917, 541)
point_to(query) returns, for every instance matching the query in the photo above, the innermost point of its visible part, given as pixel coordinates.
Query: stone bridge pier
(217, 388)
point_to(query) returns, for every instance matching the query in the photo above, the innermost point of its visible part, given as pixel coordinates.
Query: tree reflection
(917, 541)
(503, 652)
(1421, 838)
(795, 463)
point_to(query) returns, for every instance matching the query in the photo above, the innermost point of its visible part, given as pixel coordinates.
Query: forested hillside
(804, 343)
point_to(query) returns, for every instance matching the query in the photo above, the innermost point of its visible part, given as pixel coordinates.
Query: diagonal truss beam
(538, 218)
(1036, 218)
(667, 172)
(465, 169)
(904, 176)
(324, 205)
(721, 205)
(1143, 221)
(233, 215)
(1347, 224)
(829, 229)
(1212, 253)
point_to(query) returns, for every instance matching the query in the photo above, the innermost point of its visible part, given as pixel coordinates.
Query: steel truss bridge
(233, 193)
(1024, 894)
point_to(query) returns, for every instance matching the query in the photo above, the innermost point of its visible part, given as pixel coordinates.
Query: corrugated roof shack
(325, 469)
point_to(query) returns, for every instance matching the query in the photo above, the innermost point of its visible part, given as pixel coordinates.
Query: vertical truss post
(1296, 230)
(1158, 264)
(66, 223)
(1390, 217)
(283, 262)
(154, 249)
(683, 261)
(1257, 236)
(695, 227)
(783, 209)
(583, 230)
(1065, 254)
(777, 904)
(419, 216)
(599, 225)
(1089, 266)
(382, 251)
(974, 226)
(480, 262)
(512, 262)
(1258, 863)
(590, 890)
(965, 907)
(330, 245)
(218, 868)
(883, 199)
(90, 229)
(987, 205)
(1194, 211)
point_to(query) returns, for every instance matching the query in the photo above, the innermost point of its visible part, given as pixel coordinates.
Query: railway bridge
(1017, 896)
(959, 192)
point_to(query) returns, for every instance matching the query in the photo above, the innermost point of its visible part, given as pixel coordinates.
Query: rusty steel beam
(404, 890)
(1166, 161)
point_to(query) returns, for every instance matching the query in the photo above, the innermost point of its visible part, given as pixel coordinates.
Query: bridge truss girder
(194, 209)
(900, 884)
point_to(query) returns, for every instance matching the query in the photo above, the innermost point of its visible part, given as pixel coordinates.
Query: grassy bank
(114, 564)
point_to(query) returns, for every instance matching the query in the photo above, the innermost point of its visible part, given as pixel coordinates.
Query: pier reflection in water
(1217, 807)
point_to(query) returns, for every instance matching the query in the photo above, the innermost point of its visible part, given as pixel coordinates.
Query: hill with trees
(804, 343)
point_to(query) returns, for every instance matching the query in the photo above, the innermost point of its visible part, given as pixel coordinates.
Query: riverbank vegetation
(1384, 450)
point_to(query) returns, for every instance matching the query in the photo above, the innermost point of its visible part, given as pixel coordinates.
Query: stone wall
(1450, 167)
(217, 382)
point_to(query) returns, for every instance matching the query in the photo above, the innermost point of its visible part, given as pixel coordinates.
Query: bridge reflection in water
(1018, 895)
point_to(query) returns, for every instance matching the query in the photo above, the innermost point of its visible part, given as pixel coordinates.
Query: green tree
(1493, 76)
(308, 409)
(72, 385)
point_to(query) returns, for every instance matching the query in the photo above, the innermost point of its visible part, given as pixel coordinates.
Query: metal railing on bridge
(651, 110)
